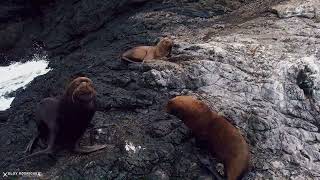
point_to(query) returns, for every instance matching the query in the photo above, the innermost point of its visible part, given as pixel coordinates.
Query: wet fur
(145, 53)
(224, 140)
(61, 121)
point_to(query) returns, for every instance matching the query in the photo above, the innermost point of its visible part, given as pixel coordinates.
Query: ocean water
(19, 75)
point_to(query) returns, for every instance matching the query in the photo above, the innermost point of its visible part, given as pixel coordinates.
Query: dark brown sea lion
(61, 121)
(224, 141)
(145, 53)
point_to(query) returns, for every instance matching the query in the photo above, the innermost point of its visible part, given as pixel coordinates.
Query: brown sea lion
(145, 53)
(224, 140)
(61, 121)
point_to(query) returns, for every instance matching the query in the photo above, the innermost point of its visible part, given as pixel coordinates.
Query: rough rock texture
(258, 70)
(307, 8)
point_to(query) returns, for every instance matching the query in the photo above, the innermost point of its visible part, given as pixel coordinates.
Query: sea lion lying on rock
(61, 121)
(224, 140)
(145, 53)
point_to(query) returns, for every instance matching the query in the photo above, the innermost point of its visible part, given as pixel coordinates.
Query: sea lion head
(166, 42)
(185, 107)
(81, 90)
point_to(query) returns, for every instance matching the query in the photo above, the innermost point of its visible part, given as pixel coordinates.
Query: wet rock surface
(254, 70)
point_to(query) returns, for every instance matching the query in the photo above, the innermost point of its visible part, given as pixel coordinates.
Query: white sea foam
(19, 75)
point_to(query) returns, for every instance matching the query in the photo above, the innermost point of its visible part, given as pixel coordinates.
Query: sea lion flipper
(130, 60)
(207, 164)
(89, 149)
(148, 56)
(47, 151)
(32, 142)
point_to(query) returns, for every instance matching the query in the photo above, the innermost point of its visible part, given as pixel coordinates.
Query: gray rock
(308, 9)
(158, 175)
(256, 76)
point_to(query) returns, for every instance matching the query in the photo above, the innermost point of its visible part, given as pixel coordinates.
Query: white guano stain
(130, 147)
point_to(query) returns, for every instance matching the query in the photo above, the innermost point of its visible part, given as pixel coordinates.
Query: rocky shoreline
(241, 57)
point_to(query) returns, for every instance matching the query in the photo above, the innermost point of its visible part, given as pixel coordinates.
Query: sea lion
(145, 53)
(224, 140)
(61, 121)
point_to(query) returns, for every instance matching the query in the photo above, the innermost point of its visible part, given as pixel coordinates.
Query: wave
(19, 75)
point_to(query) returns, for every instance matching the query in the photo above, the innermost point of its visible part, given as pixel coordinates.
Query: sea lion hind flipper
(123, 58)
(31, 144)
(215, 174)
(208, 165)
(48, 151)
(89, 149)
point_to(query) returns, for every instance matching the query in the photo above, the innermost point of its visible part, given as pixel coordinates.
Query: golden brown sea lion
(224, 140)
(145, 53)
(61, 121)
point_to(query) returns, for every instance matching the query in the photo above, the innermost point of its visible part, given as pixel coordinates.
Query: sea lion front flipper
(89, 149)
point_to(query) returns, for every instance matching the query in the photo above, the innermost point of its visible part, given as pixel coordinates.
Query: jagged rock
(305, 82)
(41, 2)
(158, 175)
(308, 9)
(3, 115)
(256, 78)
(11, 9)
(10, 35)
